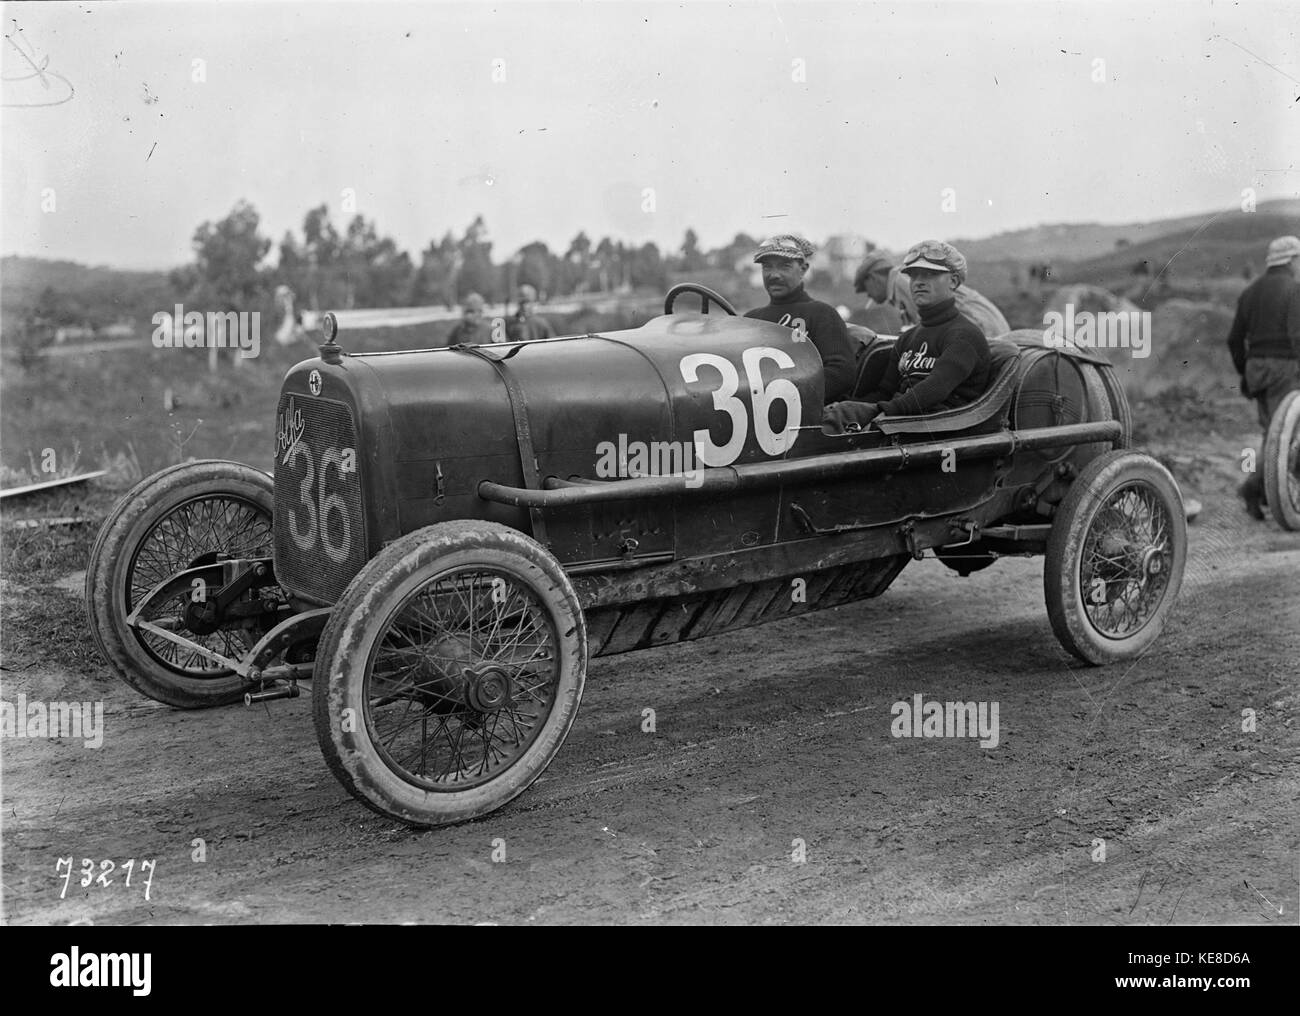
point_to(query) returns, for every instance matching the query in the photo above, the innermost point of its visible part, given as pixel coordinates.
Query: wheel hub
(201, 618)
(1153, 562)
(439, 678)
(487, 689)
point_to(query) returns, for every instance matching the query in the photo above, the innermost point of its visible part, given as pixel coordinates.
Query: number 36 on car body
(725, 400)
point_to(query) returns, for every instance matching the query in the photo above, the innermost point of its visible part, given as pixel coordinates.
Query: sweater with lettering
(942, 363)
(825, 330)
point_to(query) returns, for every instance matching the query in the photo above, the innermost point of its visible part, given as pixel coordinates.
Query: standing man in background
(1265, 344)
(470, 329)
(526, 325)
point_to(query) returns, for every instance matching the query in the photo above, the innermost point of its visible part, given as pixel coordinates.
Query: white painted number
(319, 506)
(725, 401)
(338, 552)
(780, 389)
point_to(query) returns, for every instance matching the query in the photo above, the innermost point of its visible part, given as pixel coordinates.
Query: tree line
(327, 267)
(358, 267)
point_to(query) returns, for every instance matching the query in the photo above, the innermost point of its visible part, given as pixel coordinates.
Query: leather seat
(986, 414)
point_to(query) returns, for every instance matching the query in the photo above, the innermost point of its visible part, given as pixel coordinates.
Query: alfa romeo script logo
(313, 382)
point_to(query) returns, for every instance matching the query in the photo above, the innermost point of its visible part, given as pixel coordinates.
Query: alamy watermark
(624, 459)
(919, 718)
(83, 721)
(1115, 329)
(193, 329)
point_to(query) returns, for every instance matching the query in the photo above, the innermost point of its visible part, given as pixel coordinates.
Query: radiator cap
(330, 350)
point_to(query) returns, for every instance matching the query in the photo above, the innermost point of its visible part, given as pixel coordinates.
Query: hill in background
(1088, 241)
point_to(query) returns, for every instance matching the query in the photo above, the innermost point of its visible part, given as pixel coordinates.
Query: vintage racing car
(451, 534)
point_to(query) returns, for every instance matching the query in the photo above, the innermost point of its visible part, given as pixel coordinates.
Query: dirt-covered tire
(1282, 463)
(1115, 557)
(449, 673)
(165, 524)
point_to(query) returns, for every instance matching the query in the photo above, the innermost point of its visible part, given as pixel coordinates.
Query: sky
(634, 120)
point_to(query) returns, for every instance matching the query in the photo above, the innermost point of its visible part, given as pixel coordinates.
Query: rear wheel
(179, 518)
(449, 673)
(1115, 557)
(1282, 463)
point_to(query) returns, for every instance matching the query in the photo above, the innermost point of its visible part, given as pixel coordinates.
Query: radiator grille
(320, 539)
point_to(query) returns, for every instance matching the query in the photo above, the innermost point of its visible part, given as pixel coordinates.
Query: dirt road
(771, 789)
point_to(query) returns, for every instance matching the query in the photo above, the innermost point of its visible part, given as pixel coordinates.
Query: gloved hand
(848, 417)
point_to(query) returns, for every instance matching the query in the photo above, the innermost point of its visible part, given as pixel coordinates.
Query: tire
(457, 658)
(1282, 463)
(1119, 406)
(163, 525)
(1115, 558)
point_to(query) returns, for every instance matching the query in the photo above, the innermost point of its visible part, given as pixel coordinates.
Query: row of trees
(359, 267)
(233, 270)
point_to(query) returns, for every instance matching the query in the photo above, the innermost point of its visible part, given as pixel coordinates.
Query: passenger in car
(785, 262)
(941, 363)
(887, 286)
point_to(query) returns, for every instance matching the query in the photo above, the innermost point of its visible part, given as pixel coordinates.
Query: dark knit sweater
(941, 363)
(825, 330)
(1268, 319)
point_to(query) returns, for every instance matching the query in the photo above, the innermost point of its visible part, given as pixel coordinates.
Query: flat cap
(785, 245)
(937, 256)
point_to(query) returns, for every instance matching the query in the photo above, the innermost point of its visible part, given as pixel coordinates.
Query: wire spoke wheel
(1115, 557)
(180, 518)
(449, 673)
(194, 533)
(461, 680)
(1126, 562)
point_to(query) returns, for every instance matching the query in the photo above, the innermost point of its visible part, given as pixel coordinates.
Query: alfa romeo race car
(452, 534)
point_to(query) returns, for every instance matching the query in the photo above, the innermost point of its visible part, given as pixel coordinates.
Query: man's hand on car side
(848, 417)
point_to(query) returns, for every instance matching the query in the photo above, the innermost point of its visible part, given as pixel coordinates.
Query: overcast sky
(635, 120)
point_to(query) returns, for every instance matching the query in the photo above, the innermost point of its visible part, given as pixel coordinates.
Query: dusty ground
(764, 738)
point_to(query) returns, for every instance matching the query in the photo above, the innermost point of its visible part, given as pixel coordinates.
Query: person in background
(885, 284)
(942, 363)
(471, 329)
(1265, 344)
(525, 325)
(784, 260)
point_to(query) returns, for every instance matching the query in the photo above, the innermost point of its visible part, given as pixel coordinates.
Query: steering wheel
(706, 294)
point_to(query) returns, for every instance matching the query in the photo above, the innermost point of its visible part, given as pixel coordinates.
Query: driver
(785, 262)
(942, 363)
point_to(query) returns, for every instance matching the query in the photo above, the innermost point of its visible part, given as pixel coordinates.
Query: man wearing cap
(525, 325)
(885, 284)
(941, 363)
(1265, 343)
(785, 263)
(470, 328)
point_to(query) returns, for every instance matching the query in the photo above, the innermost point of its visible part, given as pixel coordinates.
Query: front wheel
(449, 673)
(182, 517)
(1115, 557)
(1282, 463)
